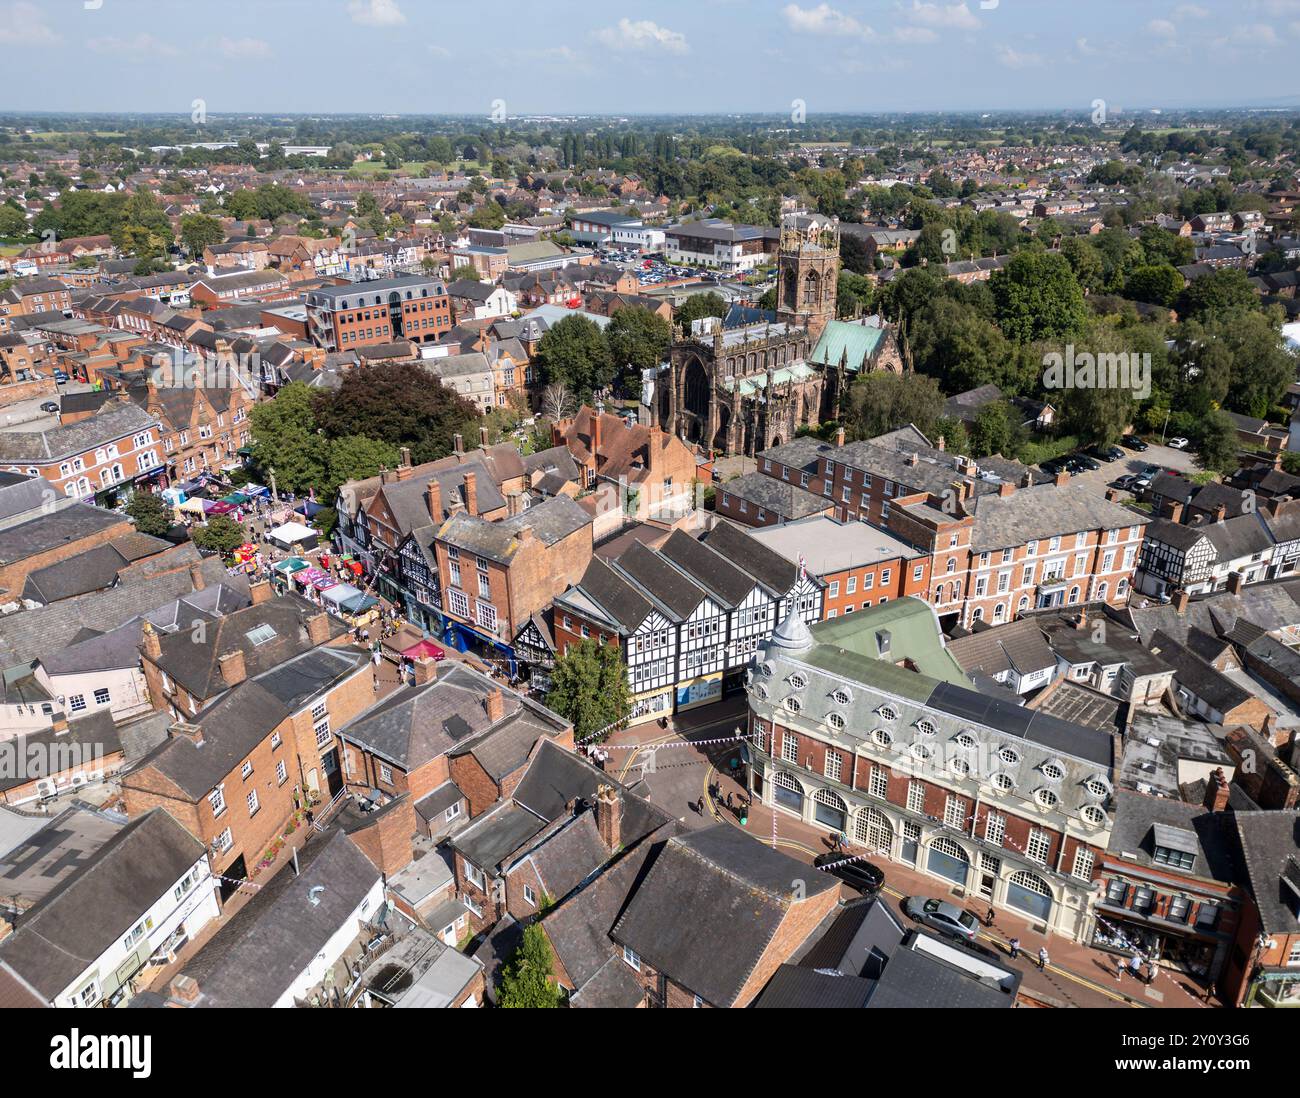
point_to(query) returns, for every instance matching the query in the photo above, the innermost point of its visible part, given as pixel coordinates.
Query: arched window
(978, 615)
(787, 792)
(999, 612)
(948, 860)
(1074, 595)
(873, 830)
(1102, 588)
(811, 288)
(829, 810)
(1029, 893)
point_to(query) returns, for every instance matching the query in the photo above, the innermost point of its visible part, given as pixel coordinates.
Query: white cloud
(1161, 28)
(642, 35)
(23, 24)
(140, 45)
(245, 49)
(1083, 46)
(376, 13)
(824, 19)
(943, 15)
(440, 51)
(1191, 11)
(1259, 35)
(915, 35)
(1013, 59)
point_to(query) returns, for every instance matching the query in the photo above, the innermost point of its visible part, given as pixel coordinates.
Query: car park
(1105, 453)
(1086, 461)
(942, 916)
(1135, 444)
(859, 873)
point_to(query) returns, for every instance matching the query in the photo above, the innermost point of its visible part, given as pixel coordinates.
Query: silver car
(942, 916)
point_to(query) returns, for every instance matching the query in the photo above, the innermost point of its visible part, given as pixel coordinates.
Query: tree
(1157, 283)
(355, 457)
(589, 688)
(1084, 261)
(528, 979)
(466, 272)
(286, 438)
(199, 231)
(490, 215)
(698, 306)
(558, 402)
(398, 404)
(13, 222)
(1218, 293)
(1215, 438)
(575, 354)
(638, 340)
(221, 534)
(996, 430)
(1036, 296)
(150, 514)
(881, 402)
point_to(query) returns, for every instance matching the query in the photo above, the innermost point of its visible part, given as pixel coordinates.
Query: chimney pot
(406, 457)
(483, 437)
(458, 443)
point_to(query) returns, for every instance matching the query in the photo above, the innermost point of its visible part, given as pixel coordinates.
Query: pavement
(679, 764)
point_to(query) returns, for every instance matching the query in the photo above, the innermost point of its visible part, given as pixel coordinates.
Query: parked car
(1179, 443)
(1086, 461)
(60, 377)
(1128, 482)
(862, 875)
(1105, 453)
(1134, 443)
(1053, 466)
(49, 407)
(942, 916)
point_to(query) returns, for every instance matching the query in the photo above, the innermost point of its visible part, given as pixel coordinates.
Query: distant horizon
(749, 57)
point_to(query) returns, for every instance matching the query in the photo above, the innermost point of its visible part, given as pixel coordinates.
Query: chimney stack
(233, 668)
(652, 448)
(191, 732)
(1181, 599)
(152, 642)
(1061, 479)
(426, 670)
(1220, 512)
(609, 816)
(59, 723)
(433, 497)
(495, 704)
(1174, 510)
(406, 457)
(318, 627)
(595, 437)
(1236, 581)
(1217, 790)
(839, 437)
(261, 592)
(483, 437)
(458, 443)
(515, 503)
(471, 493)
(197, 579)
(941, 444)
(1006, 488)
(184, 990)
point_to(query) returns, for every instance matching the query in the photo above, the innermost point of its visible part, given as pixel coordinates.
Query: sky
(655, 56)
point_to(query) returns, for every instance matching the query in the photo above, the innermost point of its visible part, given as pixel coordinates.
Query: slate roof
(789, 501)
(738, 892)
(64, 526)
(665, 585)
(1138, 822)
(91, 570)
(270, 941)
(1017, 646)
(550, 521)
(1043, 511)
(609, 592)
(112, 423)
(775, 572)
(1271, 606)
(108, 894)
(727, 584)
(1269, 845)
(1197, 676)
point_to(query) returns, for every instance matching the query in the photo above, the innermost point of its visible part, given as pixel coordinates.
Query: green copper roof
(860, 340)
(798, 371)
(913, 637)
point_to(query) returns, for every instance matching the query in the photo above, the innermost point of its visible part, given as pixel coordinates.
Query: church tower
(808, 269)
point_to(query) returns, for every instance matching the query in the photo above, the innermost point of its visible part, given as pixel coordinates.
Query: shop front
(1180, 946)
(699, 691)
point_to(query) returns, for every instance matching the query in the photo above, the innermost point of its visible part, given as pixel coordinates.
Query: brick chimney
(433, 497)
(261, 592)
(595, 436)
(1217, 790)
(483, 437)
(471, 493)
(1220, 512)
(1006, 488)
(318, 627)
(839, 437)
(1180, 601)
(1173, 510)
(59, 723)
(458, 443)
(652, 449)
(191, 732)
(609, 816)
(152, 642)
(1061, 479)
(184, 990)
(196, 576)
(1236, 581)
(941, 444)
(495, 704)
(233, 669)
(426, 670)
(515, 503)
(403, 470)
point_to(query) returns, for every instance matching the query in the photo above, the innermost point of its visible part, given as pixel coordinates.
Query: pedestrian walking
(1210, 991)
(989, 917)
(1015, 948)
(730, 806)
(1135, 965)
(1042, 958)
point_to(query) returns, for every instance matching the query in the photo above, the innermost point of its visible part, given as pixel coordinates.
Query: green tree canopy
(576, 354)
(528, 978)
(698, 306)
(638, 340)
(220, 534)
(1218, 293)
(1037, 297)
(881, 401)
(589, 688)
(150, 513)
(199, 231)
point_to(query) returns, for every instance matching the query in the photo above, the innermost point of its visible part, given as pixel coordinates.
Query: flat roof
(829, 546)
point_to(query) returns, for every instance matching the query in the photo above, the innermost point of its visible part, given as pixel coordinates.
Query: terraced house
(867, 726)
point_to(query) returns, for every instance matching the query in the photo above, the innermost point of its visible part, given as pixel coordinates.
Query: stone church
(749, 386)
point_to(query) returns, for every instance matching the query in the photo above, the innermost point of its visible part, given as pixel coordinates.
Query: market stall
(294, 536)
